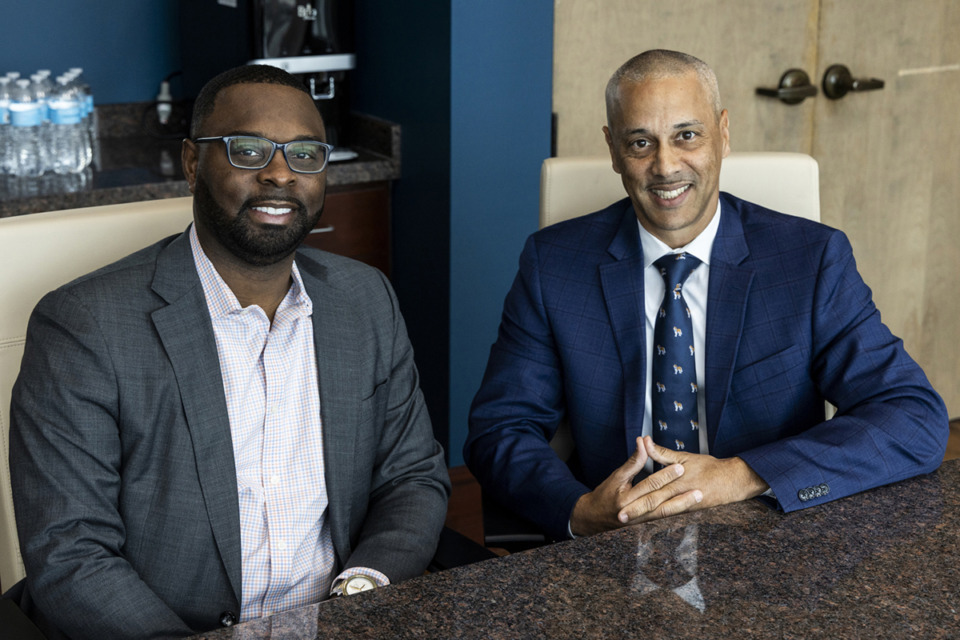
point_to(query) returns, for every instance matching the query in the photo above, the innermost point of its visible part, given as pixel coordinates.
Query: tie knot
(675, 267)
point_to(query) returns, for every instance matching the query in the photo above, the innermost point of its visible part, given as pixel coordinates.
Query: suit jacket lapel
(622, 283)
(726, 306)
(187, 335)
(339, 379)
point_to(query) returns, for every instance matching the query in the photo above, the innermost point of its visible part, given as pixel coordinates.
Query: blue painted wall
(126, 47)
(501, 98)
(403, 75)
(470, 84)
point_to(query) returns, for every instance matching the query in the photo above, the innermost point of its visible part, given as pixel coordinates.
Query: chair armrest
(456, 550)
(504, 529)
(15, 623)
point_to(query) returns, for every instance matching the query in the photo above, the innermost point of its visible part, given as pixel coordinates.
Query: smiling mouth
(274, 211)
(670, 195)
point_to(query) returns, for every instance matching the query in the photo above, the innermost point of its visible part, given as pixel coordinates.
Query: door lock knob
(838, 81)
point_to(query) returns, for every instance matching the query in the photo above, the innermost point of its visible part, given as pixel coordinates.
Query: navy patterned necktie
(674, 393)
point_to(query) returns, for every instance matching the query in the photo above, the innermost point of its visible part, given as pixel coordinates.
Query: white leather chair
(786, 182)
(577, 185)
(38, 253)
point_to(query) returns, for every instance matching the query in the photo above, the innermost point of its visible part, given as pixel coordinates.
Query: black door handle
(794, 87)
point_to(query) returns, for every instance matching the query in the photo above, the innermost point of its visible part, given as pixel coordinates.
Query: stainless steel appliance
(309, 38)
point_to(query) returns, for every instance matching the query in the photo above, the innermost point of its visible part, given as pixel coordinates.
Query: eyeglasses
(251, 152)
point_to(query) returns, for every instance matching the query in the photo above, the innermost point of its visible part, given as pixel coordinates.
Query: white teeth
(670, 195)
(274, 211)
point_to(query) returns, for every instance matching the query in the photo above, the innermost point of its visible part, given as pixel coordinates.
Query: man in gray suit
(219, 426)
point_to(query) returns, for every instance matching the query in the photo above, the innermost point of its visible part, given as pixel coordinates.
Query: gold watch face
(356, 584)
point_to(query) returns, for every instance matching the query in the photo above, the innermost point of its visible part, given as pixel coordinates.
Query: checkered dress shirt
(273, 403)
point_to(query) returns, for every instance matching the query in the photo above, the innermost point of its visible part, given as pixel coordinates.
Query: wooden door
(890, 167)
(889, 159)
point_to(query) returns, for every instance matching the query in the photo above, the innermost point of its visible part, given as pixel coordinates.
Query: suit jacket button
(228, 619)
(803, 494)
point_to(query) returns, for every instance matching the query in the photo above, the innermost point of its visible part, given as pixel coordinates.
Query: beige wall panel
(749, 43)
(889, 167)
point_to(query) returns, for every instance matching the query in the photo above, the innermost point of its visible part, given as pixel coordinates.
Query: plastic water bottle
(42, 87)
(90, 113)
(68, 142)
(26, 118)
(4, 125)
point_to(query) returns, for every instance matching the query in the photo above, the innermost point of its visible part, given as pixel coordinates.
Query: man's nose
(277, 170)
(666, 160)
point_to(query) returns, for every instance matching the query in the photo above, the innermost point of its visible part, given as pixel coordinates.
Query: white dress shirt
(269, 373)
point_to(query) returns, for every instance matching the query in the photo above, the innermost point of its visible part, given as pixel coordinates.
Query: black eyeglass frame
(276, 145)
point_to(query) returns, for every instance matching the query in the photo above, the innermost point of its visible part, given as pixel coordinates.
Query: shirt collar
(221, 300)
(700, 247)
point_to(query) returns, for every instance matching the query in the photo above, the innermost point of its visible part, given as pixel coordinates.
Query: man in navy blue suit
(781, 322)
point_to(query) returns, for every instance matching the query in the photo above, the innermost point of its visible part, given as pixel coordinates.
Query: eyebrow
(254, 134)
(676, 127)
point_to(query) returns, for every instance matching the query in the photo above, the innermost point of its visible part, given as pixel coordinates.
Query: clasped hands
(688, 482)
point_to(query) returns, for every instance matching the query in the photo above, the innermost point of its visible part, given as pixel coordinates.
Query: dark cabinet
(356, 223)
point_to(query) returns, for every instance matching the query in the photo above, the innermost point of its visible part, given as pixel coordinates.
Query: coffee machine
(312, 39)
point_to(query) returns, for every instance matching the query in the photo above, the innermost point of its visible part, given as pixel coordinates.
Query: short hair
(662, 63)
(247, 74)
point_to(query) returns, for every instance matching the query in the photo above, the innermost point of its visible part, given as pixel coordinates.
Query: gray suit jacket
(122, 463)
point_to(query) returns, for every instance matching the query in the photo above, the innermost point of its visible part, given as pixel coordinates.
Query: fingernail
(698, 495)
(679, 469)
(623, 517)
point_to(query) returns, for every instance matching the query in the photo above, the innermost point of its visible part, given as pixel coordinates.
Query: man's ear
(725, 132)
(614, 158)
(189, 159)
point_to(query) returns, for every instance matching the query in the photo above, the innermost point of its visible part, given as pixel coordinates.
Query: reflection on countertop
(881, 564)
(131, 167)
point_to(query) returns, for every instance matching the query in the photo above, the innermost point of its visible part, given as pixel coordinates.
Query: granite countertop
(130, 166)
(881, 564)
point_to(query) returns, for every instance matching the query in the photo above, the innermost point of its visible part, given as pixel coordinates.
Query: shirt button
(275, 480)
(282, 545)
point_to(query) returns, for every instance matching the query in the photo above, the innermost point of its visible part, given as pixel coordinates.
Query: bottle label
(25, 114)
(65, 114)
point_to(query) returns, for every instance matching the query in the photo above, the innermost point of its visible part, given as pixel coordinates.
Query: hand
(720, 480)
(617, 502)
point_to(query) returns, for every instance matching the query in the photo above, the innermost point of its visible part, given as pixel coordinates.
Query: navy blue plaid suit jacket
(790, 323)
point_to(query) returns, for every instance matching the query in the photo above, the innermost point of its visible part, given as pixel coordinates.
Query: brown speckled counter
(882, 564)
(132, 167)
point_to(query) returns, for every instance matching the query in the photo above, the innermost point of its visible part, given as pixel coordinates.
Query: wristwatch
(355, 584)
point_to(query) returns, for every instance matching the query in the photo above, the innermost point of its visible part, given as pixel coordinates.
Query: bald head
(661, 63)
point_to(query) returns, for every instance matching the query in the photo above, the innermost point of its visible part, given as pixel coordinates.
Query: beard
(255, 244)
